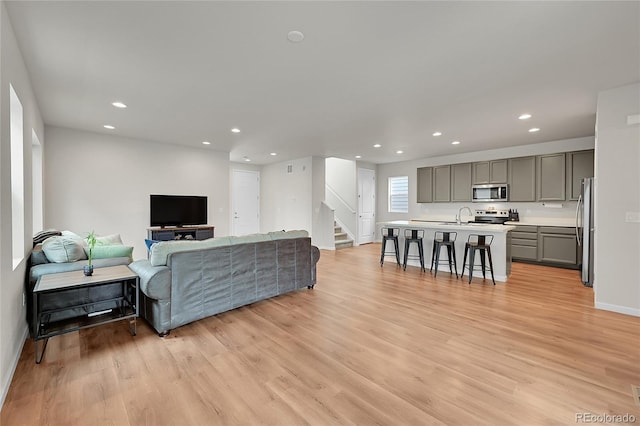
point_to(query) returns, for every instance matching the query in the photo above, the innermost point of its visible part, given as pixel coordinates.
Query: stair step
(340, 244)
(340, 235)
(337, 229)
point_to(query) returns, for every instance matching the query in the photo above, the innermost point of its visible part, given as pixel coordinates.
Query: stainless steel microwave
(490, 192)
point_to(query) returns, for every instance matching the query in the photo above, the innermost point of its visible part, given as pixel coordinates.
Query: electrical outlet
(632, 217)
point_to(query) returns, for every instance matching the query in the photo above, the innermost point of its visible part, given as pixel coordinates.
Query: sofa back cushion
(162, 249)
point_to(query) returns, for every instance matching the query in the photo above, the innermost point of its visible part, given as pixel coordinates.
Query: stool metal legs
(451, 257)
(407, 243)
(395, 246)
(471, 249)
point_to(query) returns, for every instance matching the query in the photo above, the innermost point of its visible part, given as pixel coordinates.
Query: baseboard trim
(619, 309)
(14, 364)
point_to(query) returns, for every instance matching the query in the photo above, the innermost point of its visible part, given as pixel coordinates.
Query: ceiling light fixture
(295, 36)
(274, 154)
(377, 145)
(524, 117)
(108, 126)
(206, 143)
(118, 105)
(235, 130)
(358, 156)
(437, 133)
(399, 152)
(455, 143)
(533, 130)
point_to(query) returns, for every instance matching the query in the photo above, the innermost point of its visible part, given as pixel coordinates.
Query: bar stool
(413, 236)
(390, 234)
(444, 239)
(482, 243)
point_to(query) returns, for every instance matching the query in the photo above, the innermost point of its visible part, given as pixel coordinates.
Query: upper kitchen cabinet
(551, 177)
(425, 185)
(579, 166)
(461, 182)
(442, 184)
(490, 172)
(522, 179)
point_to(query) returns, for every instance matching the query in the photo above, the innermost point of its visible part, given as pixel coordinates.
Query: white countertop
(545, 221)
(441, 225)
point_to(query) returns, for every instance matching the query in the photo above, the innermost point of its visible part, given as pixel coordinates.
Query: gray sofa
(185, 281)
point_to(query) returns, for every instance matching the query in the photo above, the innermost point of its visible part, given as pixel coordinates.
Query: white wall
(617, 249)
(449, 210)
(13, 326)
(287, 198)
(342, 192)
(102, 182)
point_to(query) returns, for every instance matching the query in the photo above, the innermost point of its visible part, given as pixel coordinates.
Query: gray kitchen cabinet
(551, 177)
(524, 243)
(545, 245)
(558, 246)
(461, 182)
(579, 166)
(490, 172)
(442, 184)
(522, 179)
(425, 185)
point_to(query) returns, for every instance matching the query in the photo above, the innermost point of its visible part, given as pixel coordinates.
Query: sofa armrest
(155, 281)
(315, 255)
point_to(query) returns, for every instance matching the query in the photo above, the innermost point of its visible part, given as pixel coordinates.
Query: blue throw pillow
(149, 243)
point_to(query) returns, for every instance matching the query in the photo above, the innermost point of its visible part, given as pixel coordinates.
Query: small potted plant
(91, 243)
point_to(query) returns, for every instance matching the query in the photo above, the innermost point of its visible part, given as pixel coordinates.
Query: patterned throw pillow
(43, 235)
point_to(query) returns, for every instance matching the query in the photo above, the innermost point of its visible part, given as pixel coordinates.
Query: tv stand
(180, 233)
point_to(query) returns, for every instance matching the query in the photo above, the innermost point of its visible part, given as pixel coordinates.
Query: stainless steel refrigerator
(584, 230)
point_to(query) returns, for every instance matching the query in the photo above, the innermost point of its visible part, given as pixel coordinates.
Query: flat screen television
(178, 210)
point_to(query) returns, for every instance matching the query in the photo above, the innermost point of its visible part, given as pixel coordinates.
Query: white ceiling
(367, 72)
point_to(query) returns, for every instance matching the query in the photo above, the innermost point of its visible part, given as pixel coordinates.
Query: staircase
(341, 238)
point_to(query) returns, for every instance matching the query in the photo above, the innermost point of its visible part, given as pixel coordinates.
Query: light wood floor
(368, 345)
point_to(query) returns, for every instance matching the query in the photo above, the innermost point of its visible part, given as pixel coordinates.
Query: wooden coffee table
(90, 308)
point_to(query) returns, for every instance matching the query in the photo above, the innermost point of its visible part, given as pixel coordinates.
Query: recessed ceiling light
(524, 117)
(295, 36)
(118, 105)
(533, 130)
(235, 130)
(247, 159)
(437, 133)
(358, 156)
(108, 126)
(274, 154)
(399, 152)
(377, 145)
(455, 143)
(206, 143)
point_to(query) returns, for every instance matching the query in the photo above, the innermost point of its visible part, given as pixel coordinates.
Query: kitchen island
(500, 252)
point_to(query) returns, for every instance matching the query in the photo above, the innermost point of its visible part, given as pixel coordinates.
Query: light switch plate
(632, 217)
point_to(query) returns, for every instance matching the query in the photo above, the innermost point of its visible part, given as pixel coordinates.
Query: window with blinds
(399, 194)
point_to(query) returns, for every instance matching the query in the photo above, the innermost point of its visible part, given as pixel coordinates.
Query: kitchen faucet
(459, 216)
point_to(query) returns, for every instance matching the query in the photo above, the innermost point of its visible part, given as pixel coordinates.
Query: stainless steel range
(498, 217)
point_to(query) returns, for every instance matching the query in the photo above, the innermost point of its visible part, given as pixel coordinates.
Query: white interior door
(366, 205)
(245, 195)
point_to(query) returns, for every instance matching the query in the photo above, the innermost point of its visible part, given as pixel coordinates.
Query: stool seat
(414, 236)
(444, 239)
(482, 244)
(390, 234)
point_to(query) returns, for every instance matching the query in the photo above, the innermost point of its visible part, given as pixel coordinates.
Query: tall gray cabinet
(461, 182)
(522, 179)
(425, 185)
(579, 166)
(442, 183)
(551, 177)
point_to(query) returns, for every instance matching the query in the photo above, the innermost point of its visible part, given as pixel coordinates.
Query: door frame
(370, 173)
